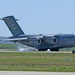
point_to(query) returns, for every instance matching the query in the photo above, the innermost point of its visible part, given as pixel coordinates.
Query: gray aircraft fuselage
(41, 42)
(52, 42)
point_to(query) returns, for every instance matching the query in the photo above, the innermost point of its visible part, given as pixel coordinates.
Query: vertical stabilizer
(13, 25)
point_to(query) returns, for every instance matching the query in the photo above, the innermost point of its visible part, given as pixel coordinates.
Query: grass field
(37, 61)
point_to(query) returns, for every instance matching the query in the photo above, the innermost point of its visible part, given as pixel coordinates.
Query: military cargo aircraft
(40, 42)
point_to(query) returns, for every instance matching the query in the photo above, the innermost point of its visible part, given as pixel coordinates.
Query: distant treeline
(7, 46)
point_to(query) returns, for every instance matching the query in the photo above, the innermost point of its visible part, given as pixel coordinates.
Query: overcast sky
(39, 16)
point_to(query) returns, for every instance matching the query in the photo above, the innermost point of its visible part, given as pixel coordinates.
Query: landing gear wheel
(39, 49)
(54, 49)
(73, 52)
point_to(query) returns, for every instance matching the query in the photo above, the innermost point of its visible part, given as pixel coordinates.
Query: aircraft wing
(39, 39)
(14, 39)
(21, 39)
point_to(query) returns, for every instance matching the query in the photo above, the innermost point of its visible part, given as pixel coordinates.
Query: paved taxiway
(34, 73)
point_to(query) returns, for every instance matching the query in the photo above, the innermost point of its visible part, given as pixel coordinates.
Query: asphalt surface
(34, 73)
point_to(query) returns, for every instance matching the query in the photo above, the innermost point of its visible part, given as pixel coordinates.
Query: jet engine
(35, 40)
(51, 40)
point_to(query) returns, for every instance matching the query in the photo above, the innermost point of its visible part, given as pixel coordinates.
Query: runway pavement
(34, 73)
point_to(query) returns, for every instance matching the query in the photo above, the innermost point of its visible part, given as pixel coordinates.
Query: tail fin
(13, 25)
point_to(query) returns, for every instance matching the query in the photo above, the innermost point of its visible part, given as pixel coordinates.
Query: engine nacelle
(35, 41)
(51, 40)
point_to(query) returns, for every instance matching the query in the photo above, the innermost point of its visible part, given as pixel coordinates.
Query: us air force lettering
(40, 42)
